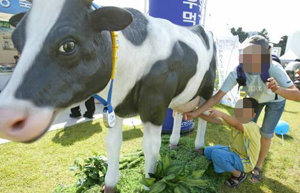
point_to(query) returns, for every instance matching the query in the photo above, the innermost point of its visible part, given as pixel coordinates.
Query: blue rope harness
(106, 103)
(109, 117)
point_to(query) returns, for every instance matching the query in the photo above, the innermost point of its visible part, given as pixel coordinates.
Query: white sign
(276, 51)
(228, 60)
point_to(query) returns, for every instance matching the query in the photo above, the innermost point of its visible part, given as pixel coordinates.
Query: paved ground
(64, 121)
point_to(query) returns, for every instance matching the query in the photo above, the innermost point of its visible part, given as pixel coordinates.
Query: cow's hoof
(107, 189)
(172, 147)
(200, 151)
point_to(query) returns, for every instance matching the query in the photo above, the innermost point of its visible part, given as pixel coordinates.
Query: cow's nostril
(18, 125)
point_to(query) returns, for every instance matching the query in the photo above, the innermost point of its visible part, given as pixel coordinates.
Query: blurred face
(243, 111)
(253, 57)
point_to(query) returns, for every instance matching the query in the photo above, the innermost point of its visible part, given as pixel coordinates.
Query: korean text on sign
(190, 16)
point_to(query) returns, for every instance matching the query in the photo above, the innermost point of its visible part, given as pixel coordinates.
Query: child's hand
(189, 116)
(214, 113)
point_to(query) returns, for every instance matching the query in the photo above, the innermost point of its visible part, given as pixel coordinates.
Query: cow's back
(160, 65)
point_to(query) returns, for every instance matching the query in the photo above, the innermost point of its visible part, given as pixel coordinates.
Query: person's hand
(214, 113)
(272, 84)
(189, 115)
(298, 72)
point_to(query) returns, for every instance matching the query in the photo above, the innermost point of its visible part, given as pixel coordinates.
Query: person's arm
(290, 93)
(228, 84)
(228, 119)
(208, 104)
(211, 120)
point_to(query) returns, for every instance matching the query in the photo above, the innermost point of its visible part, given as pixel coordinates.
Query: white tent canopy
(292, 50)
(289, 55)
(228, 59)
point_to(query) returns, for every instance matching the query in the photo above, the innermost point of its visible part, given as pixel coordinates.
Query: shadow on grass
(132, 134)
(276, 186)
(266, 183)
(285, 137)
(293, 112)
(70, 135)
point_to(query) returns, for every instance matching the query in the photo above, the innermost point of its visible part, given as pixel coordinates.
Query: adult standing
(292, 67)
(90, 109)
(270, 93)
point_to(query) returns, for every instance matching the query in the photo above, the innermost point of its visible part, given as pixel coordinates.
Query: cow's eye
(68, 47)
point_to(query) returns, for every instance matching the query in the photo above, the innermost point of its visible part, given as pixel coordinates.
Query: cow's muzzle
(24, 123)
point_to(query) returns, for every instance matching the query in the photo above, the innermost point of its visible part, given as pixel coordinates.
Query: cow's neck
(111, 65)
(129, 70)
(104, 54)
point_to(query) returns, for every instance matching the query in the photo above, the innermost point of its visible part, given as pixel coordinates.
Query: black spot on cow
(152, 94)
(136, 32)
(202, 34)
(207, 85)
(18, 36)
(80, 75)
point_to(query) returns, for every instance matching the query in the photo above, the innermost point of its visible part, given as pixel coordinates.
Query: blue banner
(180, 12)
(14, 6)
(18, 6)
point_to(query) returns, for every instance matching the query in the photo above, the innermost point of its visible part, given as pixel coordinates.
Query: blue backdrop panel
(18, 6)
(14, 6)
(180, 12)
(186, 126)
(184, 13)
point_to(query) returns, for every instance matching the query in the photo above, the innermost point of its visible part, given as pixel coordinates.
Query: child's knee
(216, 155)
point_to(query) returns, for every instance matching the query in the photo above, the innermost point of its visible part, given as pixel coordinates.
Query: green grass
(44, 165)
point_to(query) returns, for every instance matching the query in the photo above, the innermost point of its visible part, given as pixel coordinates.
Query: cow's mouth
(25, 124)
(42, 134)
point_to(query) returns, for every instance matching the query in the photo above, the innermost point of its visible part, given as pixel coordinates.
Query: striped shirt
(246, 144)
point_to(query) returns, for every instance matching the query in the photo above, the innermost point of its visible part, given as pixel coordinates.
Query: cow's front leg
(199, 141)
(174, 139)
(151, 146)
(113, 145)
(201, 130)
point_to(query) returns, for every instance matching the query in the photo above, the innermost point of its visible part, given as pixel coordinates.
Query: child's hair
(251, 103)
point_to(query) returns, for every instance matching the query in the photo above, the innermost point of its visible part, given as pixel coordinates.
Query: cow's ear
(110, 18)
(14, 20)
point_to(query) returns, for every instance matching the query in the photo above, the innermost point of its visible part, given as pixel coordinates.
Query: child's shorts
(223, 159)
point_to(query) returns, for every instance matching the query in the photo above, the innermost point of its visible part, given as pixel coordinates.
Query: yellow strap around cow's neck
(115, 47)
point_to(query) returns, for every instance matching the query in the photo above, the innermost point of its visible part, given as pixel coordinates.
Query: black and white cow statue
(67, 57)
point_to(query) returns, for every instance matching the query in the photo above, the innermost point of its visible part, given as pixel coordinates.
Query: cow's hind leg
(113, 144)
(174, 139)
(151, 146)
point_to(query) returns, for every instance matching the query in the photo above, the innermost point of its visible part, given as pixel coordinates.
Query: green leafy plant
(173, 178)
(90, 172)
(131, 160)
(179, 172)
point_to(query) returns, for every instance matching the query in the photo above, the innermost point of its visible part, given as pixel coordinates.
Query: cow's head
(65, 58)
